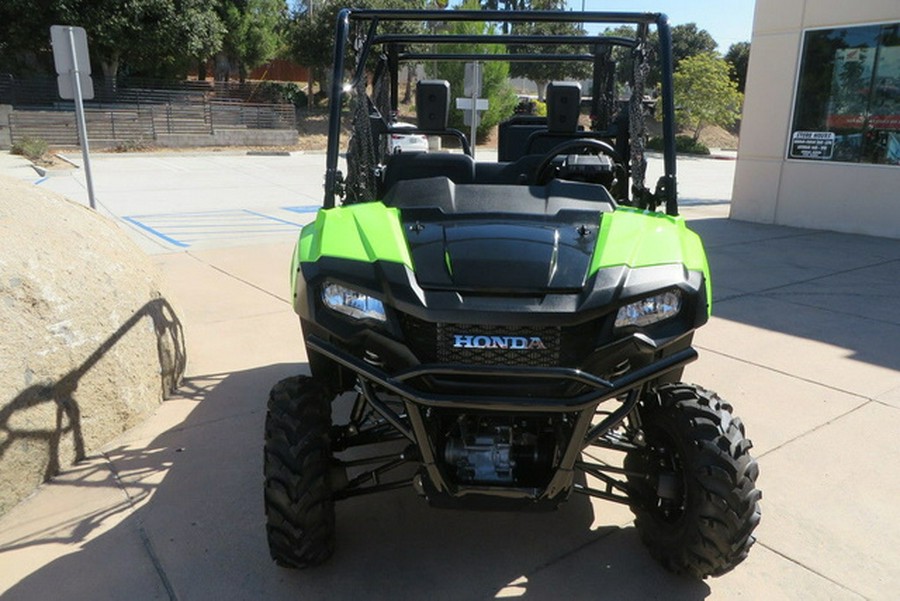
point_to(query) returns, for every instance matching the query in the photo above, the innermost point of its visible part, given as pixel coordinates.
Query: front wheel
(693, 484)
(299, 499)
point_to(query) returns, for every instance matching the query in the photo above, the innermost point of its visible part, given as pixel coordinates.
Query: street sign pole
(79, 115)
(70, 55)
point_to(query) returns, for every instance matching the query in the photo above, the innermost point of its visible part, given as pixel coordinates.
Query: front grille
(565, 347)
(434, 343)
(526, 346)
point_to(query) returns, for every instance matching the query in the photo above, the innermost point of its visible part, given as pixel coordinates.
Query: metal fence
(42, 91)
(112, 125)
(138, 110)
(58, 128)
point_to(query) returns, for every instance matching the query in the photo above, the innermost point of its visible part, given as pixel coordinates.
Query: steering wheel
(544, 171)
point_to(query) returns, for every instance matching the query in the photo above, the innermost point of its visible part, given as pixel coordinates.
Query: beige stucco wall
(770, 189)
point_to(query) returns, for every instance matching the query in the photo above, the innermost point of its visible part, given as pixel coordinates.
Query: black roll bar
(668, 100)
(642, 20)
(453, 38)
(510, 58)
(342, 33)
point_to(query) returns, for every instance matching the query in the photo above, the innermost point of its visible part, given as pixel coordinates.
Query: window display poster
(885, 107)
(850, 82)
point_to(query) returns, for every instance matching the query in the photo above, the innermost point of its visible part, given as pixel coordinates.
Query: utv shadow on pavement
(197, 531)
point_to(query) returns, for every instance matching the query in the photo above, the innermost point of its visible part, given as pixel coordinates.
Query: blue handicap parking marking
(303, 209)
(183, 230)
(147, 228)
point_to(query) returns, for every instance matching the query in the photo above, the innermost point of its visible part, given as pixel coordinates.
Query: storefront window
(848, 96)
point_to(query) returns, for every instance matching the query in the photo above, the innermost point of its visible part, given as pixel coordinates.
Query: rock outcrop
(89, 342)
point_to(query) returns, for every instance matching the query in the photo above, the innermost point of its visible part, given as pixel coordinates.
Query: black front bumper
(418, 401)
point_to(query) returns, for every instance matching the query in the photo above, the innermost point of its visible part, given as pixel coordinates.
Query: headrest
(433, 104)
(563, 106)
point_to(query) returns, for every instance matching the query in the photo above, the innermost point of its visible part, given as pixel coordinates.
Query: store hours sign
(812, 145)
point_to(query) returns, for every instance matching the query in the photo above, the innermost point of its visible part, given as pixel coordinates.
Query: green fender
(629, 237)
(366, 232)
(636, 238)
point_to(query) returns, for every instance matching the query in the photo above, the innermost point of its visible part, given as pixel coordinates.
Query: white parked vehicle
(410, 142)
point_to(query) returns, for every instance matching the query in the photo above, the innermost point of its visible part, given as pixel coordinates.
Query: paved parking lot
(802, 342)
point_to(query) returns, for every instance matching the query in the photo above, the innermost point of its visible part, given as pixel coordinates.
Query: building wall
(848, 197)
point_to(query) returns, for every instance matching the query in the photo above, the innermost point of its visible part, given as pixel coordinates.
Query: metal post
(334, 108)
(476, 81)
(668, 100)
(82, 124)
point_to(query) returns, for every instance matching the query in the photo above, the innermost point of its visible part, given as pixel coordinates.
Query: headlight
(352, 303)
(650, 310)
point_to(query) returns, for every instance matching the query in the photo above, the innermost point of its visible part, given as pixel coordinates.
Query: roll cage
(393, 51)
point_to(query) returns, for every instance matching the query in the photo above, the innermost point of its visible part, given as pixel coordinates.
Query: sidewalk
(802, 342)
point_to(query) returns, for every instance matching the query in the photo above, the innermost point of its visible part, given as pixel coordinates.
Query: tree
(688, 41)
(149, 37)
(310, 36)
(160, 38)
(253, 34)
(24, 41)
(738, 56)
(705, 94)
(495, 74)
(542, 73)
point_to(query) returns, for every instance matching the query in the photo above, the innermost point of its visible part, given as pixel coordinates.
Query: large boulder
(89, 342)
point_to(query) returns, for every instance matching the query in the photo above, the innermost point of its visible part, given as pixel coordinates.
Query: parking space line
(300, 225)
(183, 230)
(155, 232)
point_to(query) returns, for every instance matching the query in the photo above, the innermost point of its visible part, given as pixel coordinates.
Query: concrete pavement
(802, 343)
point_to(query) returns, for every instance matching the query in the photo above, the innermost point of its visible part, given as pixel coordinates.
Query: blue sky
(728, 21)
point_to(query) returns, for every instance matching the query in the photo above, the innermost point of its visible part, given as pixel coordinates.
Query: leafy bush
(32, 149)
(276, 91)
(131, 145)
(685, 144)
(528, 106)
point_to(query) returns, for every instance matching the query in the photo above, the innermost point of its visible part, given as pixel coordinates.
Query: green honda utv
(512, 330)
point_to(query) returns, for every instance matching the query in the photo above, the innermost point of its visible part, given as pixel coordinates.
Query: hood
(491, 256)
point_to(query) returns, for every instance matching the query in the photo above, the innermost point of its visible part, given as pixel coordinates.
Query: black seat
(439, 193)
(563, 109)
(458, 168)
(519, 172)
(512, 135)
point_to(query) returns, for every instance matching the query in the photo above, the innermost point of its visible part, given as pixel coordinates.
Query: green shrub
(131, 145)
(277, 91)
(684, 144)
(495, 84)
(32, 149)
